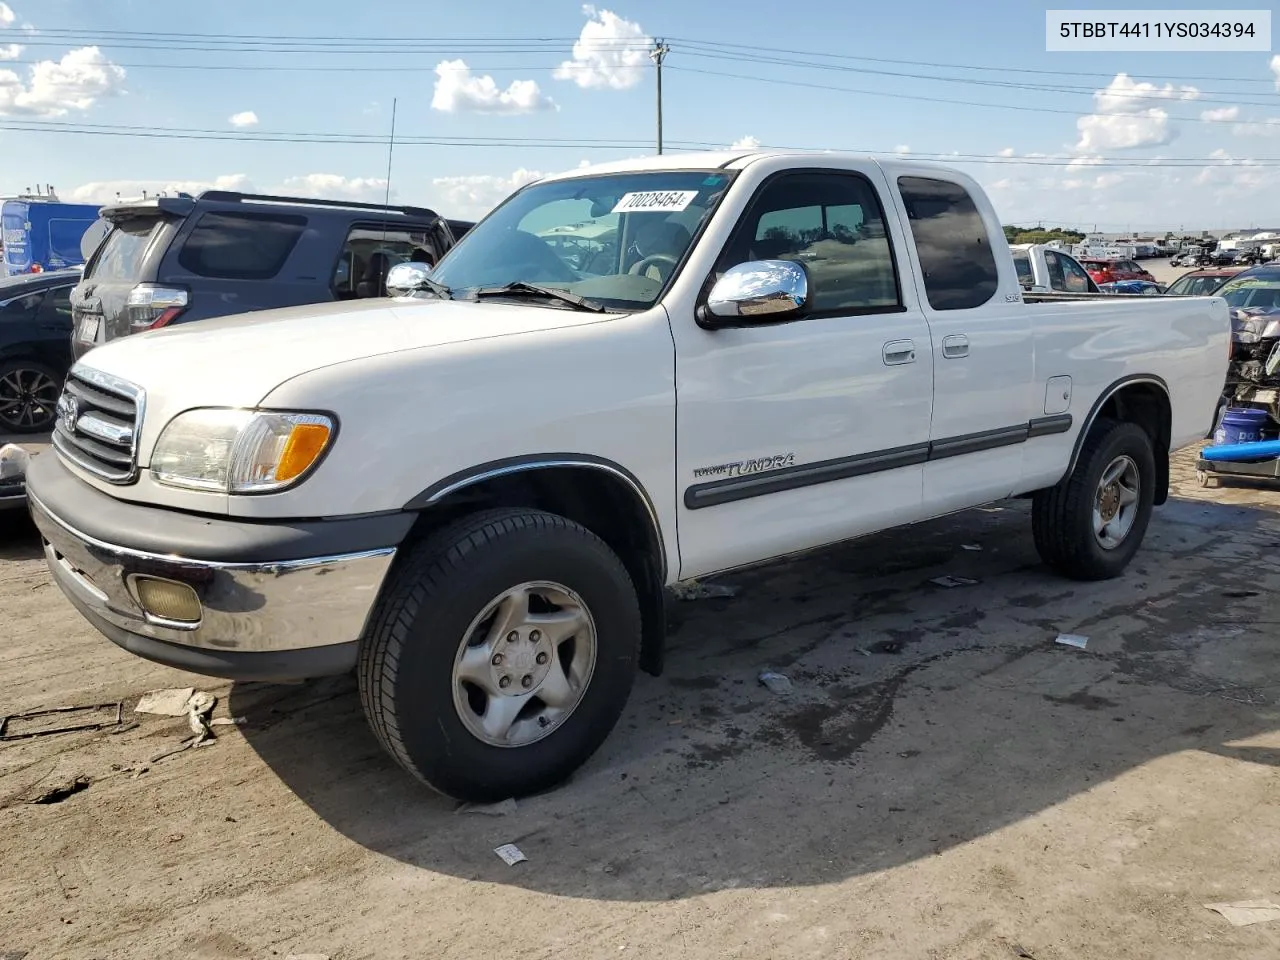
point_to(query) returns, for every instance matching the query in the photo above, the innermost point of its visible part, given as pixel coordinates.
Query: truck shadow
(920, 717)
(19, 539)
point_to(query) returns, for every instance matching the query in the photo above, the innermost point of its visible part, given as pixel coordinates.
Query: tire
(28, 395)
(1062, 517)
(412, 654)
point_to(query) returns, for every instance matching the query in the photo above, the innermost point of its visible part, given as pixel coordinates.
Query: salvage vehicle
(1110, 271)
(474, 494)
(1201, 283)
(35, 347)
(176, 260)
(1132, 288)
(1041, 269)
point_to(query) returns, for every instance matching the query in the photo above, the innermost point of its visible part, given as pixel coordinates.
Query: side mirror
(767, 289)
(406, 278)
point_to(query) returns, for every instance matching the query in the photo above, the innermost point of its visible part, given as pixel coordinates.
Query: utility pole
(657, 55)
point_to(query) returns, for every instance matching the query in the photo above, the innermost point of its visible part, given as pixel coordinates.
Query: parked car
(1044, 270)
(1109, 271)
(35, 348)
(176, 260)
(474, 494)
(1142, 288)
(1201, 283)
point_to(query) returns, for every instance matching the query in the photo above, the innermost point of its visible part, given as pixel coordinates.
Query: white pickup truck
(1042, 269)
(475, 493)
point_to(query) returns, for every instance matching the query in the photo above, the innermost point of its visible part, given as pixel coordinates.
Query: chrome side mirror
(767, 289)
(406, 278)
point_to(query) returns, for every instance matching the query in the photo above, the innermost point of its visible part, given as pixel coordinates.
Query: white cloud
(1258, 128)
(11, 51)
(1006, 152)
(459, 91)
(610, 52)
(107, 191)
(55, 88)
(1220, 114)
(902, 148)
(7, 16)
(474, 196)
(745, 143)
(332, 186)
(1275, 69)
(1125, 117)
(246, 118)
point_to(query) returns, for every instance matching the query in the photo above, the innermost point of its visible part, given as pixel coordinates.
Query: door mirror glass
(406, 278)
(770, 289)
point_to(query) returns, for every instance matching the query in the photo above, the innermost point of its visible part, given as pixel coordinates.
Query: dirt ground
(966, 788)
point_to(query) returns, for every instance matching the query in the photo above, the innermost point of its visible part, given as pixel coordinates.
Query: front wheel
(28, 396)
(501, 654)
(1090, 525)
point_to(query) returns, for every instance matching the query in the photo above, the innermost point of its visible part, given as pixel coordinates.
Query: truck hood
(236, 361)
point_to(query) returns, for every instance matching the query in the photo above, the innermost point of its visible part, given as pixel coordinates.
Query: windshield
(616, 240)
(1196, 286)
(1246, 292)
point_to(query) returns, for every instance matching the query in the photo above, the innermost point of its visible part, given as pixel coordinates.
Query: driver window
(833, 224)
(1077, 281)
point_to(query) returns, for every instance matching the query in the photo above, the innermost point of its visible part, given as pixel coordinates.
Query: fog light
(167, 599)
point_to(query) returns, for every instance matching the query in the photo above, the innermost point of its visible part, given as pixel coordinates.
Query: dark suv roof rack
(232, 196)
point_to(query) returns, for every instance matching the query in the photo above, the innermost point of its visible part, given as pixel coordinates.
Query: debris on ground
(510, 854)
(307, 956)
(776, 682)
(1072, 640)
(1246, 912)
(490, 809)
(166, 703)
(199, 707)
(228, 721)
(59, 790)
(43, 723)
(693, 590)
(951, 582)
(973, 547)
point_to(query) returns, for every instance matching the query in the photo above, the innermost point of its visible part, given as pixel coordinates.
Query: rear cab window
(1022, 264)
(952, 243)
(240, 246)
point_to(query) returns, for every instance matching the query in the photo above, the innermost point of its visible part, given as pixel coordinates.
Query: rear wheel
(1090, 525)
(501, 654)
(28, 396)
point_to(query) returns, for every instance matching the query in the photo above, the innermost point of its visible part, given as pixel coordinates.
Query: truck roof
(737, 159)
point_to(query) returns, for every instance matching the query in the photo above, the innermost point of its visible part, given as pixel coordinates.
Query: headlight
(239, 451)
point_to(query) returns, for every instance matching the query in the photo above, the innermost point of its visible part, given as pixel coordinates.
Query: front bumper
(291, 614)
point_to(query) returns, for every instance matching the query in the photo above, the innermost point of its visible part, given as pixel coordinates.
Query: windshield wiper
(522, 288)
(436, 287)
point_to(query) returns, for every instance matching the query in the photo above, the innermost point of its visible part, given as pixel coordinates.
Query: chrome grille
(99, 417)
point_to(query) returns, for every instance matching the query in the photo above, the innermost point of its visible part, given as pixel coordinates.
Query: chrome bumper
(245, 608)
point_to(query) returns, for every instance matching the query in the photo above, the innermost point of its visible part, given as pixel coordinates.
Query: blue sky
(1177, 152)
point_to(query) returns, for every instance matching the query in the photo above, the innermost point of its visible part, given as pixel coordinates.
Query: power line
(925, 99)
(197, 133)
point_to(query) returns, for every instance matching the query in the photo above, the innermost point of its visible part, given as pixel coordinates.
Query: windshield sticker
(655, 201)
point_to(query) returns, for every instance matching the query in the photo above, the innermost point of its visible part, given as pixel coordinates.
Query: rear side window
(241, 246)
(951, 241)
(121, 254)
(1022, 263)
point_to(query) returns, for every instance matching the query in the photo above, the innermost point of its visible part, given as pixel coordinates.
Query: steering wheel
(654, 259)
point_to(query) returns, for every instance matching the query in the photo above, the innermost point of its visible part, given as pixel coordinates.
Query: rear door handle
(955, 346)
(898, 351)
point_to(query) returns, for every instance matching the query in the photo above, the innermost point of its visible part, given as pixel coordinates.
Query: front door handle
(955, 346)
(898, 351)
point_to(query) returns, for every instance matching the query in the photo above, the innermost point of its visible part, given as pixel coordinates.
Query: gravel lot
(968, 789)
